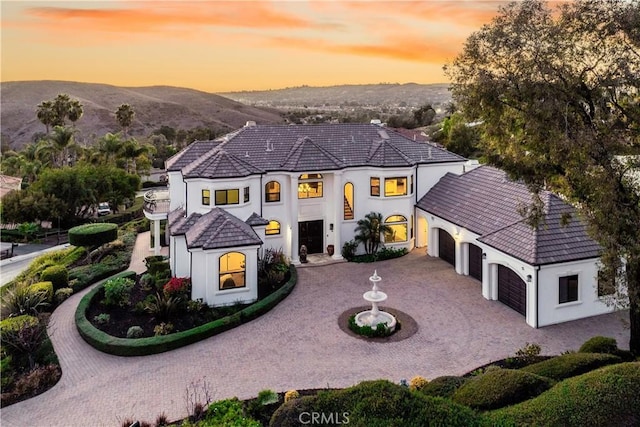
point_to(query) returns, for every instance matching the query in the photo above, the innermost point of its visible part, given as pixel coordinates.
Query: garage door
(446, 247)
(512, 290)
(475, 261)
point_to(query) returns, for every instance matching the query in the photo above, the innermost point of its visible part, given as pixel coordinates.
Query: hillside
(154, 106)
(408, 94)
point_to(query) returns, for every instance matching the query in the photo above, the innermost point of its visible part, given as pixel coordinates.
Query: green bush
(45, 288)
(91, 235)
(20, 300)
(500, 387)
(600, 344)
(227, 412)
(349, 250)
(443, 386)
(262, 407)
(14, 324)
(117, 291)
(570, 365)
(56, 274)
(135, 332)
(609, 396)
(380, 331)
(376, 404)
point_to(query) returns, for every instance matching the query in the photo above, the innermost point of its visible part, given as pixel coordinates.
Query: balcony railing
(156, 201)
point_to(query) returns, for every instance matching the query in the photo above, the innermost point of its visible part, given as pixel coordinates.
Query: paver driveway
(299, 345)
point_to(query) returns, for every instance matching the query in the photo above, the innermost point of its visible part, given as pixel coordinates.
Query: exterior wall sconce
(484, 255)
(330, 227)
(528, 278)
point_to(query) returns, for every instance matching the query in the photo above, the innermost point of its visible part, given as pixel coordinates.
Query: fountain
(375, 316)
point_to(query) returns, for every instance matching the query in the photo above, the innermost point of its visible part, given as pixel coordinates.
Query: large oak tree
(558, 93)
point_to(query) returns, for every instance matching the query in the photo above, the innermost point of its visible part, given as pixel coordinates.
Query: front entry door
(310, 234)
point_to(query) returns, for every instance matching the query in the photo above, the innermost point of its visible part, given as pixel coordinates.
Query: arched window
(348, 201)
(232, 269)
(272, 191)
(272, 228)
(398, 229)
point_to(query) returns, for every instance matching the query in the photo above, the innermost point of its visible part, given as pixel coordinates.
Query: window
(398, 229)
(309, 189)
(411, 188)
(232, 269)
(395, 187)
(568, 289)
(272, 191)
(227, 197)
(606, 285)
(206, 197)
(246, 194)
(411, 226)
(375, 186)
(348, 201)
(272, 228)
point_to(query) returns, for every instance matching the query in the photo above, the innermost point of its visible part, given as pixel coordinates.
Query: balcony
(156, 204)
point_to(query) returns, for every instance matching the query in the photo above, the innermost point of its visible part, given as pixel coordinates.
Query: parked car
(104, 209)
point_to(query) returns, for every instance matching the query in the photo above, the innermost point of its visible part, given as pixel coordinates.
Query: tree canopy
(558, 96)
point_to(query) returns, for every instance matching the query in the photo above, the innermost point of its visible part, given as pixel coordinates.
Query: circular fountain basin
(368, 318)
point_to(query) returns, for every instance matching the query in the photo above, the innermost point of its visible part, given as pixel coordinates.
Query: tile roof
(256, 220)
(486, 202)
(219, 163)
(214, 230)
(309, 148)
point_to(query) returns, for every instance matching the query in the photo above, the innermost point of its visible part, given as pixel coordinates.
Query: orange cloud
(165, 16)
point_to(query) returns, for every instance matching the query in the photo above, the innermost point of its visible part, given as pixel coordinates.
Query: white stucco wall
(428, 175)
(205, 277)
(179, 257)
(241, 210)
(588, 303)
(177, 190)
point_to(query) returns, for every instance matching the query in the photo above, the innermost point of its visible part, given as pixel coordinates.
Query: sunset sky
(219, 46)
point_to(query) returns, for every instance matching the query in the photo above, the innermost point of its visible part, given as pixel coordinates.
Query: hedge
(374, 404)
(609, 396)
(599, 344)
(570, 365)
(443, 386)
(152, 345)
(500, 387)
(14, 324)
(57, 275)
(91, 235)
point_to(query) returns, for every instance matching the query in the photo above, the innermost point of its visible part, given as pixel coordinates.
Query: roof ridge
(199, 161)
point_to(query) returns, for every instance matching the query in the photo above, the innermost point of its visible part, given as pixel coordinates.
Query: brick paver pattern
(299, 345)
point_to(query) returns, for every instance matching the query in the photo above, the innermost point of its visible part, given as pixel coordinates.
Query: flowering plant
(177, 286)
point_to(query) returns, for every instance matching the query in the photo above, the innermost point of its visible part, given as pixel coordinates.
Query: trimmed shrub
(418, 383)
(117, 290)
(380, 331)
(45, 288)
(290, 395)
(600, 344)
(570, 365)
(62, 294)
(443, 386)
(92, 235)
(57, 275)
(375, 403)
(14, 324)
(500, 387)
(609, 396)
(135, 332)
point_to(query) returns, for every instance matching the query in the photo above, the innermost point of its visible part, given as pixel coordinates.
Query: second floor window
(375, 186)
(246, 194)
(309, 189)
(395, 186)
(206, 197)
(272, 191)
(227, 197)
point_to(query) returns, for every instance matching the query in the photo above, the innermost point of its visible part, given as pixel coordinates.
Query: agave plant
(163, 307)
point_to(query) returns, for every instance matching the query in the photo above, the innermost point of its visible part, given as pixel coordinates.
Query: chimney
(250, 124)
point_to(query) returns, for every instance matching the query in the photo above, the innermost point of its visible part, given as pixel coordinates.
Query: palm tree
(124, 116)
(61, 108)
(369, 231)
(110, 146)
(131, 150)
(75, 111)
(46, 114)
(61, 139)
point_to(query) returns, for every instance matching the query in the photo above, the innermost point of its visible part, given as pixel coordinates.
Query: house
(284, 186)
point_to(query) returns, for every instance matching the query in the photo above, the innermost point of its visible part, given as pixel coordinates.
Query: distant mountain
(154, 106)
(380, 95)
